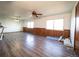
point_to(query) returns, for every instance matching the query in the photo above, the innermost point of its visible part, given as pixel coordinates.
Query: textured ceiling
(25, 8)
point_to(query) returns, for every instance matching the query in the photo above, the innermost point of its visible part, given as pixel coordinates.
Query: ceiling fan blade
(39, 14)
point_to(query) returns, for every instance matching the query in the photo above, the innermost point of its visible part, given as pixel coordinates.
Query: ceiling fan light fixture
(36, 15)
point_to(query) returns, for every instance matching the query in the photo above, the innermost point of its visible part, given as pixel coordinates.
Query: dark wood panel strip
(45, 32)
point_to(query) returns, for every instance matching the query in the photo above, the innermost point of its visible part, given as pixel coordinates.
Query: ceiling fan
(34, 13)
(15, 17)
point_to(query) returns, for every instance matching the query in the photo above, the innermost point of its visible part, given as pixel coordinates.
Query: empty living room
(39, 28)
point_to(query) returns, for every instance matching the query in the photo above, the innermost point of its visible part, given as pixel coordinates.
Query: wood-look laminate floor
(21, 44)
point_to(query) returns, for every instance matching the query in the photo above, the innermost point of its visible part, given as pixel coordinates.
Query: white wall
(72, 33)
(41, 23)
(11, 25)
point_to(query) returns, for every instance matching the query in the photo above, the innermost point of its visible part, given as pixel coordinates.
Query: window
(58, 24)
(55, 24)
(49, 24)
(30, 24)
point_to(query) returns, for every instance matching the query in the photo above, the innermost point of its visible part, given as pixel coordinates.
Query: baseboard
(12, 32)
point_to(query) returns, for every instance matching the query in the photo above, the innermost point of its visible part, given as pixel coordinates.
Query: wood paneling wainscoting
(54, 33)
(25, 29)
(39, 31)
(45, 32)
(66, 33)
